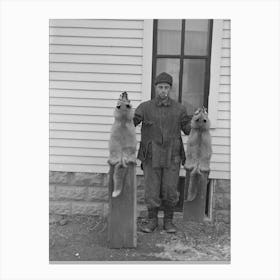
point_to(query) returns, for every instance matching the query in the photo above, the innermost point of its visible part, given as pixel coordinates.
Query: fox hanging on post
(199, 150)
(122, 143)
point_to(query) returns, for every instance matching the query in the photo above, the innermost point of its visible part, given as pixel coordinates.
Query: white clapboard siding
(91, 63)
(82, 135)
(83, 127)
(93, 94)
(224, 115)
(95, 59)
(98, 77)
(118, 87)
(220, 168)
(225, 70)
(225, 80)
(96, 68)
(97, 23)
(95, 41)
(79, 127)
(225, 52)
(224, 97)
(97, 50)
(94, 111)
(226, 43)
(79, 102)
(93, 32)
(221, 132)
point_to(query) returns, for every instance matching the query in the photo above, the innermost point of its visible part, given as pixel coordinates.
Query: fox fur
(122, 143)
(199, 150)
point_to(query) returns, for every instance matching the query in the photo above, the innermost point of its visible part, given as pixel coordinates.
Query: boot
(152, 221)
(167, 220)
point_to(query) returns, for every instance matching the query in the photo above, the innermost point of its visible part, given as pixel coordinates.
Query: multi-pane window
(182, 48)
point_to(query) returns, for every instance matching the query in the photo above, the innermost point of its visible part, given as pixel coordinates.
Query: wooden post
(122, 231)
(195, 210)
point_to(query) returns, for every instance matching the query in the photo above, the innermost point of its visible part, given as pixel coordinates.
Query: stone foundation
(84, 193)
(87, 193)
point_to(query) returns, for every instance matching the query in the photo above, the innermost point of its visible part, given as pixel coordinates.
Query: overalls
(161, 148)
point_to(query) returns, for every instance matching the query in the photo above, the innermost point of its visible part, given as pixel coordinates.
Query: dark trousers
(161, 184)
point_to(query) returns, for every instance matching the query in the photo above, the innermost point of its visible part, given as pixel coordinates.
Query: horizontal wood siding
(91, 63)
(220, 163)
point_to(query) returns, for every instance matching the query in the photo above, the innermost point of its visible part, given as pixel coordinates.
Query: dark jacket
(162, 123)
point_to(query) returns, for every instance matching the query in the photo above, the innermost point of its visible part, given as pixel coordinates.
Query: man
(161, 151)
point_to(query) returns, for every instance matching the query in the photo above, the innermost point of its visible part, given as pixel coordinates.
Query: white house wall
(220, 163)
(91, 63)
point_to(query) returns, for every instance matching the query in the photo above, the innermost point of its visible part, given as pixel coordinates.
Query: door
(182, 48)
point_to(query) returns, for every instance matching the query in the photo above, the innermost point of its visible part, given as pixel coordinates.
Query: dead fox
(199, 150)
(122, 143)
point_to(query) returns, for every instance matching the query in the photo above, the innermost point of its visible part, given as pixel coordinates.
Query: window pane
(196, 35)
(172, 67)
(193, 84)
(169, 36)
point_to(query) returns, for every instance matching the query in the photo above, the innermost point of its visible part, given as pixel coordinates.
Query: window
(182, 48)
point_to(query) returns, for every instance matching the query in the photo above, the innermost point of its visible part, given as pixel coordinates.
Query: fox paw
(113, 161)
(116, 193)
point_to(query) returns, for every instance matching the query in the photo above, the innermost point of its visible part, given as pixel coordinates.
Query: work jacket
(162, 122)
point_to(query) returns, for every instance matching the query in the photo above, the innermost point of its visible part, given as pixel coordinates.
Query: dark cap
(163, 78)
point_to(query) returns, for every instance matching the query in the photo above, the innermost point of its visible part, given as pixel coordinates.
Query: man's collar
(163, 102)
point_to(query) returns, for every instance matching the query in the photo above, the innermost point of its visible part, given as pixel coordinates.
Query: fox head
(123, 110)
(200, 119)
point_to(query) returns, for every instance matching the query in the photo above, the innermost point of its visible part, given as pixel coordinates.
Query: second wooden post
(122, 230)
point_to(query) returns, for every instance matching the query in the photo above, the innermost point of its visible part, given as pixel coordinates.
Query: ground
(84, 238)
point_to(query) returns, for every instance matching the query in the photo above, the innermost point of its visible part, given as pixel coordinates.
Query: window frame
(181, 57)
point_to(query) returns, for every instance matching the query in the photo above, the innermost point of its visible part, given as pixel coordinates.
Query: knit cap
(164, 78)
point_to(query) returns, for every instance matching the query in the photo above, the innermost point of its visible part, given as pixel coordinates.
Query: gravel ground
(84, 238)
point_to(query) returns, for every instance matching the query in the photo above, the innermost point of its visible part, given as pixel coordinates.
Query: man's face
(163, 90)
